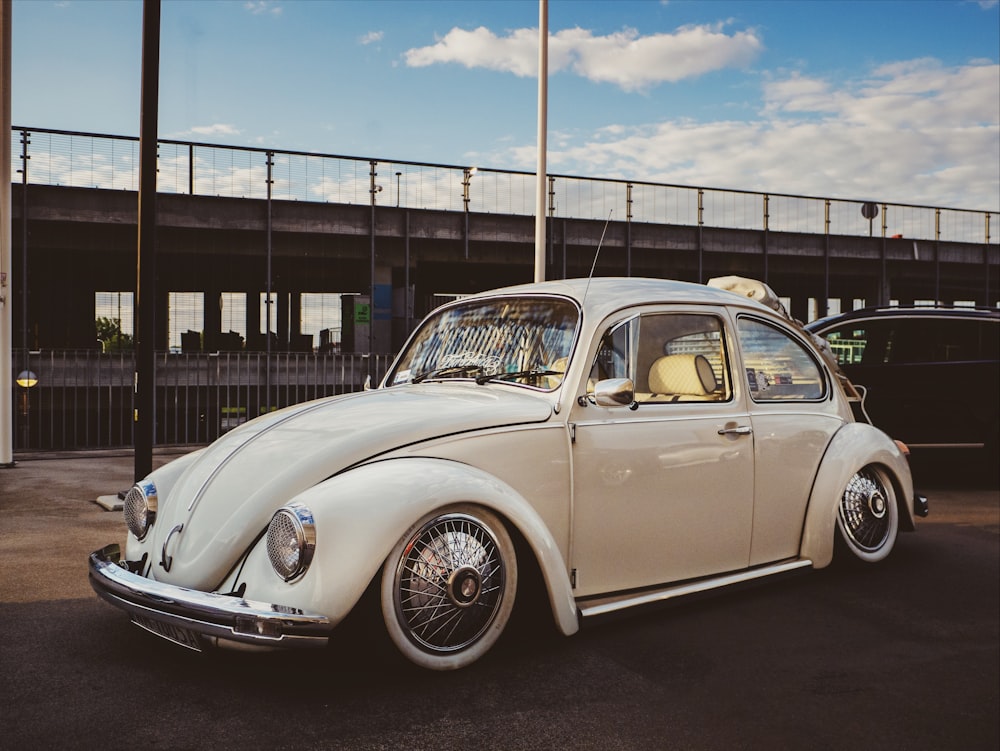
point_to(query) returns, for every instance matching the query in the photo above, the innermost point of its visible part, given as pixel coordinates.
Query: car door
(794, 417)
(662, 489)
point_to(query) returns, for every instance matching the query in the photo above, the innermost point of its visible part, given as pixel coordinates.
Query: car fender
(853, 446)
(361, 514)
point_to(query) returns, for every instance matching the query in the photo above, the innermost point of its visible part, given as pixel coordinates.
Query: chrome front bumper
(202, 619)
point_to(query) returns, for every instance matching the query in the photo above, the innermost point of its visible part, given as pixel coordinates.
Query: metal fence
(83, 399)
(54, 157)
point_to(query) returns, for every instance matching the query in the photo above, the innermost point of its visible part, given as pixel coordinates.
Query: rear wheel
(448, 587)
(868, 515)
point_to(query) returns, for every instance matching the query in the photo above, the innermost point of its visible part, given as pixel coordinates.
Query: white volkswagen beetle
(631, 440)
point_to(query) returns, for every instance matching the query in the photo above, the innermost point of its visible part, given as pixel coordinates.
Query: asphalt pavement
(905, 654)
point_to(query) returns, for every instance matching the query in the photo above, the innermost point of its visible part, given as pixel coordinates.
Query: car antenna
(589, 277)
(596, 254)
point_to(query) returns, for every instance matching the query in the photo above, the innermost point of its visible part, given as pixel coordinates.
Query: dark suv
(931, 374)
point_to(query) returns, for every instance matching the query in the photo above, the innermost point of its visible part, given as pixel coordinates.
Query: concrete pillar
(283, 320)
(254, 340)
(213, 319)
(381, 311)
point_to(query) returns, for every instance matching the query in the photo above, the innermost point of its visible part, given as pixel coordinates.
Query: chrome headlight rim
(139, 508)
(291, 540)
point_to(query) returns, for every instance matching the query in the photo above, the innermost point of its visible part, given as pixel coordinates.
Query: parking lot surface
(905, 654)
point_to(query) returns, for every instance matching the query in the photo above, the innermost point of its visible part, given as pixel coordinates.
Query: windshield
(524, 340)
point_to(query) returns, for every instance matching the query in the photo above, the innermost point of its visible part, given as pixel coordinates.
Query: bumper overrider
(196, 619)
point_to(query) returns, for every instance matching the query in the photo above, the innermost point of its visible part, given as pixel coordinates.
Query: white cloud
(260, 7)
(625, 59)
(371, 37)
(910, 132)
(217, 129)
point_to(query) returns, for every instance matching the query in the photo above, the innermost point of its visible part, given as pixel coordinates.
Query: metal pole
(628, 229)
(145, 286)
(373, 189)
(765, 249)
(407, 303)
(543, 93)
(270, 291)
(6, 314)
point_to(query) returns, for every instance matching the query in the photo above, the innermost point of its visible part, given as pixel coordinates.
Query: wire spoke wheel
(448, 588)
(868, 516)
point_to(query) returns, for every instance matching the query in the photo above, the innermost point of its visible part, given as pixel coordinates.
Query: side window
(848, 344)
(861, 342)
(778, 368)
(947, 340)
(615, 355)
(682, 358)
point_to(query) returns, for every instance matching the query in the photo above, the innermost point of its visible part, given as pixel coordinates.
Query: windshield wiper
(534, 373)
(444, 372)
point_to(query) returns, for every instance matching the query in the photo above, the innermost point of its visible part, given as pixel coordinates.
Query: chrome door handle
(741, 430)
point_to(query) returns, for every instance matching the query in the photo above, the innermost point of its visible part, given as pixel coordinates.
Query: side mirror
(614, 392)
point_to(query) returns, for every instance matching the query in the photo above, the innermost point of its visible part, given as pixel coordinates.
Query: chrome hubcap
(464, 586)
(864, 511)
(449, 583)
(876, 505)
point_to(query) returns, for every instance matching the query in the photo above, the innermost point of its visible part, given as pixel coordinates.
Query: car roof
(602, 296)
(905, 311)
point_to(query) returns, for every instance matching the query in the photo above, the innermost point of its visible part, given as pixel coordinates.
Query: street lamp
(468, 172)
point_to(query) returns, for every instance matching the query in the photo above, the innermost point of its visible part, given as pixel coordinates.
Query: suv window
(913, 340)
(778, 368)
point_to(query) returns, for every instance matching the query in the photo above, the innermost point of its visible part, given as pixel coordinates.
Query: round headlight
(139, 508)
(291, 540)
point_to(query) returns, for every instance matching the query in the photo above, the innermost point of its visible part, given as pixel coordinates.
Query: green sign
(362, 313)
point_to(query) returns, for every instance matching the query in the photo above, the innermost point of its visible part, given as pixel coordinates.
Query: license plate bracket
(169, 631)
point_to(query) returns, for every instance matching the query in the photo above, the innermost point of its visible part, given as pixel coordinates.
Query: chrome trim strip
(945, 445)
(604, 605)
(209, 614)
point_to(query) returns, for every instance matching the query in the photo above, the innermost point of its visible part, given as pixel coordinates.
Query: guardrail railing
(54, 157)
(84, 399)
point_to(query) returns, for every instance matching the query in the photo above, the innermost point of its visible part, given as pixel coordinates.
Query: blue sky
(896, 100)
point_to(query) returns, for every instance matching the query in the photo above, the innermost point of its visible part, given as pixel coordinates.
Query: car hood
(225, 499)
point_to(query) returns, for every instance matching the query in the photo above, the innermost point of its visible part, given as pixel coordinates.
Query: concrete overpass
(81, 240)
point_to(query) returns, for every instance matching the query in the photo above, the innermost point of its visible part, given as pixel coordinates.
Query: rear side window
(778, 367)
(943, 340)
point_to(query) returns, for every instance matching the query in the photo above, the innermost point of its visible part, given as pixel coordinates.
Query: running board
(605, 605)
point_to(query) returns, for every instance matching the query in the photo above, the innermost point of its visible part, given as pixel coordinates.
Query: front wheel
(868, 515)
(448, 587)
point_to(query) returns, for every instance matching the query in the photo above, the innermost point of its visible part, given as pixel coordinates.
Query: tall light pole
(145, 284)
(543, 91)
(6, 313)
